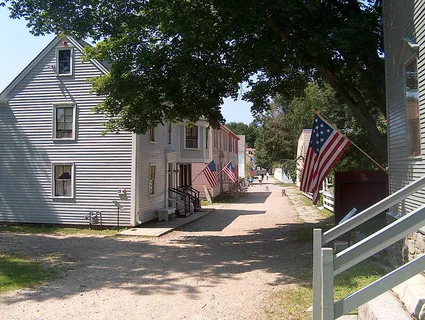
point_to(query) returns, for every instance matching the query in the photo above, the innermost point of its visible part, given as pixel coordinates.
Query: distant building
(303, 142)
(241, 157)
(250, 157)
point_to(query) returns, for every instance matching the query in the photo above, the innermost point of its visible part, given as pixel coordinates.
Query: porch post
(317, 274)
(328, 284)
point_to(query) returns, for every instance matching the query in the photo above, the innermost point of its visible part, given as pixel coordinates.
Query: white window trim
(206, 133)
(414, 57)
(199, 141)
(71, 62)
(74, 118)
(151, 164)
(72, 179)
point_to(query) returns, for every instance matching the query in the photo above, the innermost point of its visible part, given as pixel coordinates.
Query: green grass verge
(34, 229)
(287, 185)
(293, 302)
(17, 272)
(228, 199)
(205, 203)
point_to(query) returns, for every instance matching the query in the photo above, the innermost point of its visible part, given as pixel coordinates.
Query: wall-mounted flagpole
(202, 171)
(364, 152)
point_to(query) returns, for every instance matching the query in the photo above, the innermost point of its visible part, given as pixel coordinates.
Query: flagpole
(200, 173)
(224, 167)
(329, 124)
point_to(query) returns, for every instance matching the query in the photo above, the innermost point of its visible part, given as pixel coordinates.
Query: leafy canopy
(249, 131)
(178, 59)
(283, 124)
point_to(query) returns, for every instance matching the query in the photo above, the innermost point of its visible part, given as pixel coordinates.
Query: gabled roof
(77, 44)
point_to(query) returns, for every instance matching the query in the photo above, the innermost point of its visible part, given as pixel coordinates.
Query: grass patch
(205, 203)
(325, 213)
(287, 185)
(293, 302)
(16, 272)
(304, 233)
(33, 229)
(304, 200)
(228, 199)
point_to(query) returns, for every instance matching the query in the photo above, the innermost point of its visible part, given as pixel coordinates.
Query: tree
(283, 124)
(249, 131)
(178, 59)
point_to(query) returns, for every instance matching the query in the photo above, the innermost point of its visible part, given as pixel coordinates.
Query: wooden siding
(153, 153)
(403, 19)
(102, 162)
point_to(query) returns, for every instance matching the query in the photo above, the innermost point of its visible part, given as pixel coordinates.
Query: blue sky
(19, 48)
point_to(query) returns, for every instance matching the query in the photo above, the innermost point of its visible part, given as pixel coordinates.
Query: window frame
(406, 102)
(151, 190)
(170, 132)
(152, 135)
(53, 180)
(197, 138)
(74, 120)
(71, 61)
(207, 137)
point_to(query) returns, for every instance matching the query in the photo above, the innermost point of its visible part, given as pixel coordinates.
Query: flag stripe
(210, 174)
(228, 170)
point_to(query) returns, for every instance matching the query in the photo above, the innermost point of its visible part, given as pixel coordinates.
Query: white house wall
(153, 153)
(403, 19)
(193, 155)
(102, 162)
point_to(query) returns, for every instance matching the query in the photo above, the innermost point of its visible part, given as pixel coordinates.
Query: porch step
(412, 294)
(384, 307)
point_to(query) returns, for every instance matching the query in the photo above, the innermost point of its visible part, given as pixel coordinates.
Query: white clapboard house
(56, 166)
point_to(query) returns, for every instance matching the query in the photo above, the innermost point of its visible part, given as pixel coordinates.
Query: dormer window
(64, 61)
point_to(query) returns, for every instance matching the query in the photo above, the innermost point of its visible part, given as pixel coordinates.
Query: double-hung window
(192, 137)
(170, 131)
(64, 61)
(152, 173)
(152, 134)
(412, 100)
(64, 122)
(63, 180)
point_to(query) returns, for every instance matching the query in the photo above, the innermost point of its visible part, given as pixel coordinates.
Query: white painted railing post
(317, 274)
(328, 284)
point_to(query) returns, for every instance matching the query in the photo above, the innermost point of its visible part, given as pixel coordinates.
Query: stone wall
(414, 245)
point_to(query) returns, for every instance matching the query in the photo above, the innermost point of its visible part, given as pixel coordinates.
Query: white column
(317, 274)
(328, 284)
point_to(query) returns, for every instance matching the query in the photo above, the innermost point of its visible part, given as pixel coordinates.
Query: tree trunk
(359, 109)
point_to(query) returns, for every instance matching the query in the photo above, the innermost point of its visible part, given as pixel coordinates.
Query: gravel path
(223, 266)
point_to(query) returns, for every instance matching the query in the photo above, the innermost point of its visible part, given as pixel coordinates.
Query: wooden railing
(326, 264)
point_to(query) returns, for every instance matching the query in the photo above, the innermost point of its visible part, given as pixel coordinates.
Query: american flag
(252, 172)
(326, 147)
(210, 173)
(228, 170)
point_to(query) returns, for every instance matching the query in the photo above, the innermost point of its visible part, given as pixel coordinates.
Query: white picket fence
(328, 195)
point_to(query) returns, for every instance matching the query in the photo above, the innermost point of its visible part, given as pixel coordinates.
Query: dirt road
(223, 266)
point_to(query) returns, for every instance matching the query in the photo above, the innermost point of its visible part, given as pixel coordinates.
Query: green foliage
(281, 127)
(16, 272)
(175, 60)
(250, 131)
(292, 302)
(34, 229)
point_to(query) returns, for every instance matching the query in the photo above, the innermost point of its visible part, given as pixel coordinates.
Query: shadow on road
(152, 266)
